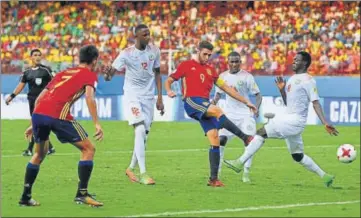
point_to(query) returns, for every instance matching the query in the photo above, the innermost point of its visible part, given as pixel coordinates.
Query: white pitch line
(243, 209)
(173, 150)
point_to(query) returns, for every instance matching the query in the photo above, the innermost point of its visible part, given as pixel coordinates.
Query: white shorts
(137, 111)
(288, 127)
(246, 124)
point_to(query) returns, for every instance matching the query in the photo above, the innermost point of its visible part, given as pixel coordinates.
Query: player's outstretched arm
(167, 85)
(319, 111)
(92, 106)
(234, 94)
(17, 90)
(281, 84)
(258, 101)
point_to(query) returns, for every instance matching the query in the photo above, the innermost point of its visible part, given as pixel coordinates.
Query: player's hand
(8, 100)
(29, 133)
(98, 132)
(107, 73)
(331, 129)
(256, 114)
(252, 107)
(280, 82)
(171, 94)
(160, 106)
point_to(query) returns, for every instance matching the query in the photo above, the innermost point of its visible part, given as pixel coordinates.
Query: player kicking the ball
(297, 94)
(52, 113)
(244, 83)
(141, 63)
(198, 79)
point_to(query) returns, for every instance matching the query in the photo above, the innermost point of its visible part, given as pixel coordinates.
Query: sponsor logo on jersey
(298, 81)
(240, 83)
(209, 72)
(289, 88)
(151, 57)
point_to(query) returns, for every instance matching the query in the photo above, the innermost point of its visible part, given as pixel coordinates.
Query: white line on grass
(172, 150)
(243, 209)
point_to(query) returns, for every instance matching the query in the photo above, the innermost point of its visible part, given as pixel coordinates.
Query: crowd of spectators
(267, 34)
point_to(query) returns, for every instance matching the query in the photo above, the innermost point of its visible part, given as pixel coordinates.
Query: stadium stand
(267, 34)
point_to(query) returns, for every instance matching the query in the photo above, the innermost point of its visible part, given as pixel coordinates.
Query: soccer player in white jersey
(244, 83)
(297, 94)
(141, 63)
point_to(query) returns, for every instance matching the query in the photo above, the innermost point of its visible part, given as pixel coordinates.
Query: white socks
(139, 149)
(252, 148)
(309, 164)
(221, 154)
(248, 164)
(134, 160)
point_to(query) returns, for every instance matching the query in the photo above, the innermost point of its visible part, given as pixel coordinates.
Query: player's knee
(215, 111)
(89, 148)
(262, 132)
(212, 136)
(38, 157)
(297, 157)
(223, 140)
(140, 130)
(219, 112)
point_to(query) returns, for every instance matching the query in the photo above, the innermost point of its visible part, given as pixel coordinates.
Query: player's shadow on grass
(332, 187)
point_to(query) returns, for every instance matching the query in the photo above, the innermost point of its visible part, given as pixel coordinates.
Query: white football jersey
(300, 90)
(139, 79)
(245, 84)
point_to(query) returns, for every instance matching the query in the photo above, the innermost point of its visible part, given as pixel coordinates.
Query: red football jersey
(197, 79)
(65, 88)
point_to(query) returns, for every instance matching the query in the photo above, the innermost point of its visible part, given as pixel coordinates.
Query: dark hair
(139, 27)
(34, 50)
(305, 57)
(88, 54)
(234, 54)
(205, 44)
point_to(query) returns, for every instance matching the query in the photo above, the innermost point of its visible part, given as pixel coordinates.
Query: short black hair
(305, 57)
(88, 54)
(234, 53)
(139, 27)
(35, 50)
(205, 44)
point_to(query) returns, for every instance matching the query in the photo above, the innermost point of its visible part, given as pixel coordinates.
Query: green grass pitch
(177, 158)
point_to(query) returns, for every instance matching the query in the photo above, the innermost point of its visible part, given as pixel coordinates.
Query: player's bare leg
(85, 168)
(139, 150)
(215, 111)
(32, 170)
(214, 158)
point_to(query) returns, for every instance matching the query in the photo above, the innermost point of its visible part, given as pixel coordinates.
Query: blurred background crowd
(267, 34)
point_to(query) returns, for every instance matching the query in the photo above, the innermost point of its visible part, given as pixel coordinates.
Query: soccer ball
(346, 153)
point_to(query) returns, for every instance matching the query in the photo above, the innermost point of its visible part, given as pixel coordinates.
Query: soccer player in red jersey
(198, 79)
(52, 113)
